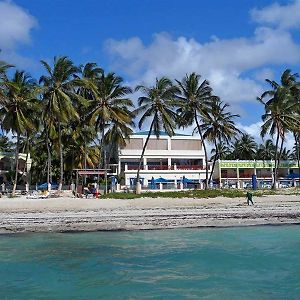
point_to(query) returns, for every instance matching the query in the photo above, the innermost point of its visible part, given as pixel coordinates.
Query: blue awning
(293, 175)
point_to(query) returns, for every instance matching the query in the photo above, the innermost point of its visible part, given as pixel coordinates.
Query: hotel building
(168, 163)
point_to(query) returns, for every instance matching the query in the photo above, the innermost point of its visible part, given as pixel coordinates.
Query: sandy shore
(69, 214)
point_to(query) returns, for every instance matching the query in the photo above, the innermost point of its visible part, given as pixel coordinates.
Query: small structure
(95, 172)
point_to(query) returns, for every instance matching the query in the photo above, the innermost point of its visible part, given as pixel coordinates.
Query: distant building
(168, 162)
(238, 173)
(7, 164)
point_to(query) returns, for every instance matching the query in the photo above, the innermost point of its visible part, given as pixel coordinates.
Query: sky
(234, 44)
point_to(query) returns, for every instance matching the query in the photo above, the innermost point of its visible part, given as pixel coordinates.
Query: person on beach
(249, 198)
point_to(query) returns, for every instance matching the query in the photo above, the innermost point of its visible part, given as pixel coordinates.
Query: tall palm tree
(89, 73)
(17, 108)
(110, 104)
(218, 125)
(279, 117)
(59, 89)
(195, 100)
(158, 106)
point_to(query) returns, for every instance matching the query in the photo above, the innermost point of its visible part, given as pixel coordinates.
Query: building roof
(161, 133)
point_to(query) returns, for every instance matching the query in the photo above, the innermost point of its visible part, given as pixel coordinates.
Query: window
(134, 144)
(185, 144)
(157, 144)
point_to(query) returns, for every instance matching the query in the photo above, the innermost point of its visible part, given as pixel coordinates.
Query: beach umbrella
(161, 180)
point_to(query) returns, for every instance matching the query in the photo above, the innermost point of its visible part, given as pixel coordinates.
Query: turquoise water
(230, 263)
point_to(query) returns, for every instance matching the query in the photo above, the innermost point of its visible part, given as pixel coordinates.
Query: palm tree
(195, 100)
(296, 152)
(59, 89)
(89, 73)
(266, 151)
(3, 78)
(17, 108)
(247, 147)
(286, 154)
(116, 136)
(221, 151)
(158, 106)
(218, 126)
(279, 117)
(5, 144)
(109, 104)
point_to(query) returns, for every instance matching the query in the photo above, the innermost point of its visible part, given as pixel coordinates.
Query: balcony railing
(160, 167)
(191, 167)
(133, 167)
(165, 167)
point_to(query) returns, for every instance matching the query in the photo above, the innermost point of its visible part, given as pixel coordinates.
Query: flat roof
(161, 133)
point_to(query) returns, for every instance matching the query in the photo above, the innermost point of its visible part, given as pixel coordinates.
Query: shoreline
(21, 215)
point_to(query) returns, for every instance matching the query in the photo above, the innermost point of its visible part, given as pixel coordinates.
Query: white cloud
(254, 130)
(16, 25)
(222, 61)
(283, 16)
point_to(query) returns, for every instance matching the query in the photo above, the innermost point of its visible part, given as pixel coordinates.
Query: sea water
(228, 263)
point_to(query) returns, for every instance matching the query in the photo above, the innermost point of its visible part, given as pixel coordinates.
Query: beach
(66, 214)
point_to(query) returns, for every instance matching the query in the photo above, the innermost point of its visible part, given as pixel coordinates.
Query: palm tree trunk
(49, 157)
(214, 161)
(276, 160)
(27, 154)
(84, 160)
(16, 165)
(205, 151)
(297, 151)
(142, 155)
(60, 158)
(280, 152)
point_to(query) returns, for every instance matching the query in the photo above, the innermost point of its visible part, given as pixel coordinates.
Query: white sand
(70, 214)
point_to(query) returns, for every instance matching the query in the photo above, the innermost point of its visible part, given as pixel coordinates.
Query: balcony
(165, 167)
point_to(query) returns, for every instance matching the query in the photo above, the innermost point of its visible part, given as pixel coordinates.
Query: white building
(168, 162)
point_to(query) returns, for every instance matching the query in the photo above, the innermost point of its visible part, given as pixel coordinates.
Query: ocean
(221, 263)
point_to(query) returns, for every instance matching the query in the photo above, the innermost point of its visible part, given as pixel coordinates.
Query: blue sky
(235, 44)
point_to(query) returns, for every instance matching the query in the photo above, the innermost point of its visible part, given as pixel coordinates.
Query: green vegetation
(79, 116)
(192, 194)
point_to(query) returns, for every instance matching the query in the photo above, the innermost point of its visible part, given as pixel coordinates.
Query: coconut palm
(116, 137)
(89, 73)
(221, 151)
(286, 154)
(218, 126)
(110, 104)
(266, 151)
(279, 116)
(59, 89)
(17, 108)
(246, 147)
(5, 144)
(157, 105)
(195, 100)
